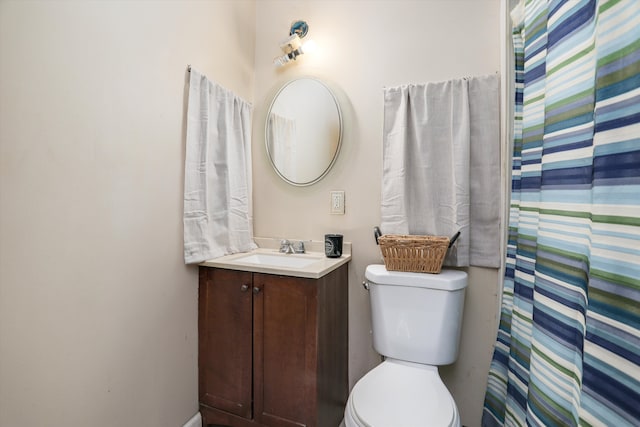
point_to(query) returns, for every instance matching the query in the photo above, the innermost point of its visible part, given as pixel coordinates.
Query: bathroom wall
(97, 310)
(364, 46)
(98, 313)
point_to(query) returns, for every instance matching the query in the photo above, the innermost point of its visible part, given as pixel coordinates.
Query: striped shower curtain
(568, 345)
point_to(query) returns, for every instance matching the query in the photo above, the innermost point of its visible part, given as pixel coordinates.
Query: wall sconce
(293, 46)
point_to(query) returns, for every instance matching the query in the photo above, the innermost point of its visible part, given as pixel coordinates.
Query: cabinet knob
(256, 290)
(244, 288)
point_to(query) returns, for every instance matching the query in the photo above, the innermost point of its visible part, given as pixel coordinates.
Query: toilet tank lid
(446, 280)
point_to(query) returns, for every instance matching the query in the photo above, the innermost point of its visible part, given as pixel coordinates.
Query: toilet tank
(416, 317)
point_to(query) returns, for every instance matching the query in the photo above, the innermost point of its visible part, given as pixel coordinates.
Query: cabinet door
(285, 358)
(225, 340)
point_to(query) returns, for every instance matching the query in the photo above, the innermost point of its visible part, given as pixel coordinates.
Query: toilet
(416, 322)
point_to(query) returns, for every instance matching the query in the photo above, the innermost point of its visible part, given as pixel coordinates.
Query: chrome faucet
(287, 247)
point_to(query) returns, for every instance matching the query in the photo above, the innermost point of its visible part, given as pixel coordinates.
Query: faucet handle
(298, 247)
(286, 247)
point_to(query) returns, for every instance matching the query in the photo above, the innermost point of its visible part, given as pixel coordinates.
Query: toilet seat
(401, 394)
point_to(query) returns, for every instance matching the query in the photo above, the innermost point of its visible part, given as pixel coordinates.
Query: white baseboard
(195, 421)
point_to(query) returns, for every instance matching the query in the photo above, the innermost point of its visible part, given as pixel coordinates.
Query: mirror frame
(339, 142)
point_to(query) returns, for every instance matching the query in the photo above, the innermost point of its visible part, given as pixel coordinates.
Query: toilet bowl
(416, 320)
(401, 394)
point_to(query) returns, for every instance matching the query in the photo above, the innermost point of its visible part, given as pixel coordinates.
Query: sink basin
(277, 260)
(266, 259)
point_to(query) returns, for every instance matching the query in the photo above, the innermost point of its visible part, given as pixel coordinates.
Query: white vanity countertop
(314, 263)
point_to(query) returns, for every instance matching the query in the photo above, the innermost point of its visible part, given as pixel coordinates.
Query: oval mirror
(303, 131)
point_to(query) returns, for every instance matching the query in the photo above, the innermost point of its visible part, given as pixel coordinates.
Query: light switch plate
(337, 202)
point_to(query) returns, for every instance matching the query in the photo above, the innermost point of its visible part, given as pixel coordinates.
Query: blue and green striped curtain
(568, 346)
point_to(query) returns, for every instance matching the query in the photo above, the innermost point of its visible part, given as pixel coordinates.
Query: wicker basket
(420, 254)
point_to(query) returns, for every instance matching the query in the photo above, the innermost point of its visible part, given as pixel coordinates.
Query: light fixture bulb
(279, 61)
(292, 46)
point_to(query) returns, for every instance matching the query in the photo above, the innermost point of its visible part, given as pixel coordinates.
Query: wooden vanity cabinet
(272, 349)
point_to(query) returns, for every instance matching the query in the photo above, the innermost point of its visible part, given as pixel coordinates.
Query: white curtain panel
(441, 165)
(217, 189)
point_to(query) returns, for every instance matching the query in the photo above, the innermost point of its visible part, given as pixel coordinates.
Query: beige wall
(364, 46)
(98, 314)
